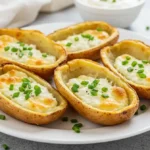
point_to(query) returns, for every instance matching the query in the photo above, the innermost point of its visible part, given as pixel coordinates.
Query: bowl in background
(120, 17)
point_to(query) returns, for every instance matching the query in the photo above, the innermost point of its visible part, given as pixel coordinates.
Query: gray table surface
(140, 142)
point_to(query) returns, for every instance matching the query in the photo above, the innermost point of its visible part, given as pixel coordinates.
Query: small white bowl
(122, 17)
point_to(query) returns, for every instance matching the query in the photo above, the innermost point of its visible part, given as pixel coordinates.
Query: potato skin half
(134, 48)
(92, 53)
(43, 44)
(28, 116)
(78, 67)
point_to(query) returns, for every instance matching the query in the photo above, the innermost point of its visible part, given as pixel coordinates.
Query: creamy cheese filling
(99, 93)
(24, 53)
(135, 70)
(112, 4)
(26, 92)
(84, 41)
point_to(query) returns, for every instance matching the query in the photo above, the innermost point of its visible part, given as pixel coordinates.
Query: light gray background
(140, 142)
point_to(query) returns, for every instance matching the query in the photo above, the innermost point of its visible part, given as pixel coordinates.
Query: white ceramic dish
(61, 133)
(117, 17)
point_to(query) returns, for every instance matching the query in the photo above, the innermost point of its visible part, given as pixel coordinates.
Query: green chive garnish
(11, 87)
(7, 48)
(84, 83)
(104, 89)
(134, 63)
(105, 95)
(142, 75)
(143, 107)
(125, 62)
(14, 49)
(6, 147)
(30, 48)
(76, 39)
(21, 89)
(145, 61)
(148, 28)
(27, 96)
(68, 44)
(44, 55)
(128, 58)
(130, 69)
(141, 65)
(16, 94)
(25, 48)
(2, 117)
(75, 87)
(94, 92)
(21, 54)
(99, 29)
(30, 53)
(37, 90)
(140, 71)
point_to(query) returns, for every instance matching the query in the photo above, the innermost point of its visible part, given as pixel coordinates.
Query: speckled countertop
(140, 142)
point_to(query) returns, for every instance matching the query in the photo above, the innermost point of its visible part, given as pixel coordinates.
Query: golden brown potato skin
(134, 48)
(92, 53)
(78, 67)
(28, 116)
(42, 43)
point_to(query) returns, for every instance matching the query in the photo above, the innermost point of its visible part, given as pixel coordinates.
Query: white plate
(60, 132)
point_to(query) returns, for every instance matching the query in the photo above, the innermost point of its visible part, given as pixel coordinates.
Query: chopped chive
(128, 58)
(140, 71)
(143, 107)
(94, 92)
(84, 83)
(16, 94)
(113, 1)
(2, 117)
(21, 44)
(145, 61)
(68, 44)
(27, 96)
(99, 29)
(134, 63)
(88, 36)
(90, 86)
(124, 62)
(104, 89)
(76, 129)
(141, 65)
(75, 87)
(21, 89)
(24, 48)
(44, 55)
(64, 119)
(25, 80)
(27, 91)
(74, 120)
(21, 54)
(30, 48)
(6, 147)
(76, 39)
(14, 49)
(7, 48)
(142, 75)
(148, 28)
(79, 125)
(105, 95)
(37, 90)
(11, 87)
(30, 54)
(129, 69)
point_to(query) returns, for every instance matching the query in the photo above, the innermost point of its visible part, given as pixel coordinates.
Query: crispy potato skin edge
(142, 91)
(92, 53)
(26, 115)
(93, 114)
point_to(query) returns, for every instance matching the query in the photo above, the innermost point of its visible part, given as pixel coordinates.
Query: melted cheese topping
(37, 100)
(138, 71)
(84, 41)
(104, 95)
(12, 49)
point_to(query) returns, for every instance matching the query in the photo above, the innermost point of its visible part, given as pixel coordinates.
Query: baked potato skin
(43, 43)
(95, 115)
(92, 53)
(29, 116)
(134, 48)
